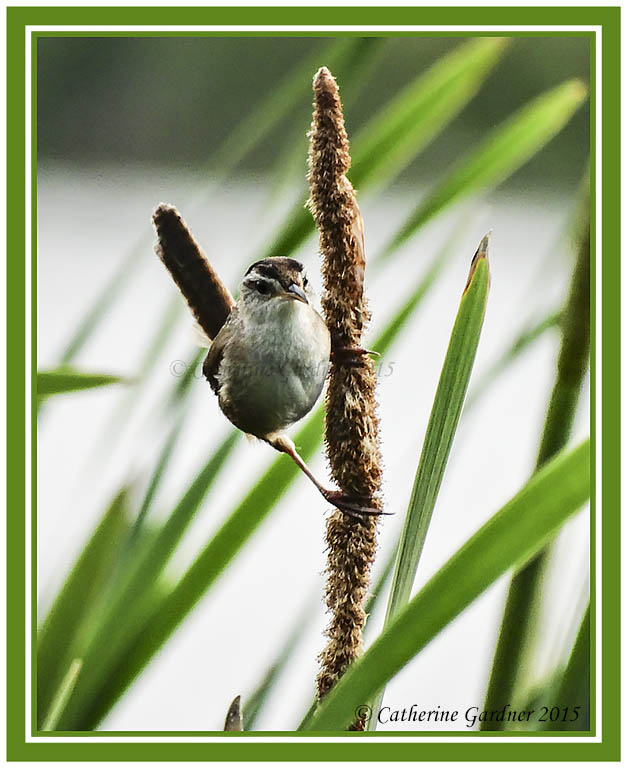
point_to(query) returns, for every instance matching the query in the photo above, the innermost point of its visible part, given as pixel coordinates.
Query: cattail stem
(351, 426)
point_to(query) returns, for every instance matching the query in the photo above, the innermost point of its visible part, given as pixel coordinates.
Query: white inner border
(389, 737)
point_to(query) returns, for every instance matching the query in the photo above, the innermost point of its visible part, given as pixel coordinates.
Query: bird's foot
(351, 356)
(353, 505)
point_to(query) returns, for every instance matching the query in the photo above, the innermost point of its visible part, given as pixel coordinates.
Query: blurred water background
(124, 124)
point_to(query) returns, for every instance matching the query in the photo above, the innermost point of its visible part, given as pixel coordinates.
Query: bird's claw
(351, 356)
(350, 505)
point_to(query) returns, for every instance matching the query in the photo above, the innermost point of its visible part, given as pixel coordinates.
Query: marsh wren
(270, 352)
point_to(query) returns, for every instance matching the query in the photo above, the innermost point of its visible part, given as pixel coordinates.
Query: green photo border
(355, 746)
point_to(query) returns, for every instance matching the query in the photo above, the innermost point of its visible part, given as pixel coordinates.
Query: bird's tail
(209, 299)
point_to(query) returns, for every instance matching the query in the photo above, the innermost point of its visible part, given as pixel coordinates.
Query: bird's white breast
(275, 366)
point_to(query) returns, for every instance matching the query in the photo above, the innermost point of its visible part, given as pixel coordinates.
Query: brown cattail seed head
(351, 427)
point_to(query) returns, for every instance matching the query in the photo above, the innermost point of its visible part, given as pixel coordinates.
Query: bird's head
(276, 278)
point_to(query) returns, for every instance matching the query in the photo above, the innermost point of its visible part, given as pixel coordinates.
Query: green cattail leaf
(353, 79)
(203, 573)
(445, 413)
(131, 604)
(525, 338)
(255, 703)
(58, 635)
(513, 535)
(62, 695)
(413, 118)
(574, 686)
(114, 427)
(405, 126)
(390, 333)
(99, 308)
(502, 152)
(520, 615)
(66, 379)
(344, 54)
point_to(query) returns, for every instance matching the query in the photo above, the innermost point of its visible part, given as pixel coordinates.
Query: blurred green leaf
(163, 331)
(565, 687)
(114, 428)
(412, 119)
(445, 413)
(501, 153)
(525, 591)
(508, 539)
(574, 688)
(130, 605)
(525, 338)
(377, 589)
(99, 308)
(62, 695)
(182, 384)
(405, 126)
(67, 379)
(255, 703)
(343, 54)
(158, 473)
(203, 572)
(58, 636)
(291, 162)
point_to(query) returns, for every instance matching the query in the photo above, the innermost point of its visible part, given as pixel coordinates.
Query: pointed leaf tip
(482, 250)
(233, 720)
(481, 253)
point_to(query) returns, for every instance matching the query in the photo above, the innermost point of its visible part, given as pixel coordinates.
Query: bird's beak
(298, 293)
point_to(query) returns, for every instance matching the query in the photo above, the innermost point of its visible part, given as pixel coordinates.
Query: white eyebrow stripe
(258, 277)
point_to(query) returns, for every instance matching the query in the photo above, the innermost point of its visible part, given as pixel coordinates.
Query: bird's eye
(305, 282)
(262, 287)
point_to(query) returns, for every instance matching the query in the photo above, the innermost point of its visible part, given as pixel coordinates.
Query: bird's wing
(211, 366)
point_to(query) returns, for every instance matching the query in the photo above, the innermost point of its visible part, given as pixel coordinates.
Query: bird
(269, 352)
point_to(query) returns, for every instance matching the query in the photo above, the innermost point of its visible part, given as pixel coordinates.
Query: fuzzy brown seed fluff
(351, 426)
